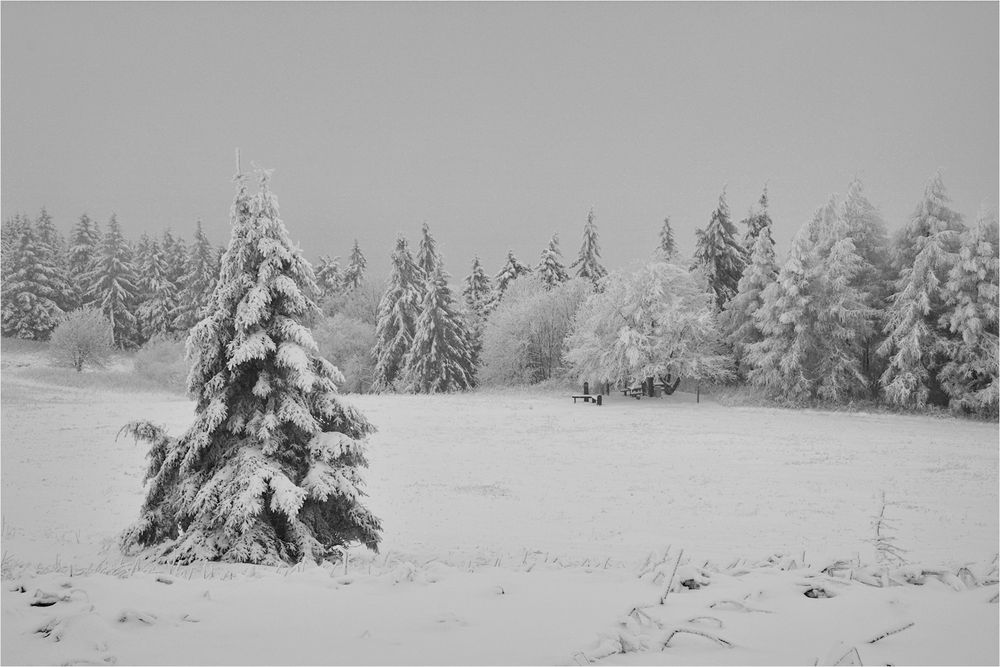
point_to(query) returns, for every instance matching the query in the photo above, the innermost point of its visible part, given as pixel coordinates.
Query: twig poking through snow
(718, 640)
(670, 583)
(891, 632)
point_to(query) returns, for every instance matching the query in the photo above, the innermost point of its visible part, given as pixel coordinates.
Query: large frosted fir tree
(355, 271)
(200, 277)
(550, 268)
(758, 220)
(31, 287)
(969, 377)
(83, 244)
(737, 318)
(397, 317)
(667, 248)
(158, 295)
(914, 341)
(53, 248)
(511, 270)
(478, 292)
(440, 358)
(719, 254)
(428, 258)
(175, 254)
(113, 285)
(588, 263)
(269, 472)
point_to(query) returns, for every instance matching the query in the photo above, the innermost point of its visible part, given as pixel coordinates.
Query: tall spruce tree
(200, 277)
(83, 245)
(30, 292)
(719, 254)
(428, 257)
(355, 271)
(113, 285)
(511, 270)
(53, 247)
(329, 276)
(738, 316)
(175, 255)
(440, 358)
(478, 291)
(667, 247)
(969, 376)
(156, 310)
(397, 317)
(914, 341)
(758, 220)
(588, 263)
(269, 472)
(550, 268)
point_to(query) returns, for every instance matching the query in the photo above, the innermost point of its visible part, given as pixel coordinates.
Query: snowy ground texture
(524, 529)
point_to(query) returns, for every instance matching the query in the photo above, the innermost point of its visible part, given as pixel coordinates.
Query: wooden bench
(587, 398)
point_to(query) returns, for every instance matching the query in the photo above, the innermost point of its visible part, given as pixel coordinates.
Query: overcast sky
(498, 124)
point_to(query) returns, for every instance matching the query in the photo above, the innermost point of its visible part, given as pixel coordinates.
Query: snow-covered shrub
(656, 321)
(162, 360)
(82, 337)
(524, 339)
(347, 343)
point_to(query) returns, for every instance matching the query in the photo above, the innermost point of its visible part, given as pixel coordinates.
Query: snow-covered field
(516, 528)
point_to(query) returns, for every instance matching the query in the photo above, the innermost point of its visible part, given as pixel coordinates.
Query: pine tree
(914, 342)
(667, 247)
(175, 254)
(12, 229)
(83, 245)
(511, 270)
(441, 356)
(969, 377)
(550, 269)
(269, 470)
(30, 292)
(758, 220)
(53, 248)
(200, 277)
(720, 255)
(112, 284)
(329, 277)
(478, 292)
(355, 271)
(588, 264)
(738, 317)
(156, 311)
(428, 258)
(397, 316)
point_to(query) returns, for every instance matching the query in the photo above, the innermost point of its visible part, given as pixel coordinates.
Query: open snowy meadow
(521, 528)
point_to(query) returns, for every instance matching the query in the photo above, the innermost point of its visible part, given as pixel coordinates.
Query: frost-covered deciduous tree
(719, 254)
(82, 337)
(113, 285)
(355, 272)
(397, 318)
(511, 271)
(657, 321)
(588, 263)
(347, 343)
(737, 318)
(440, 358)
(200, 277)
(812, 319)
(550, 268)
(524, 339)
(667, 248)
(969, 376)
(158, 300)
(914, 341)
(30, 293)
(269, 472)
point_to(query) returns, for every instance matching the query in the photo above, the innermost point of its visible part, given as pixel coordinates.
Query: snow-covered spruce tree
(30, 291)
(657, 321)
(175, 255)
(667, 248)
(867, 229)
(478, 291)
(397, 317)
(112, 284)
(737, 318)
(914, 344)
(588, 264)
(269, 470)
(969, 377)
(440, 358)
(812, 319)
(53, 247)
(550, 269)
(758, 220)
(83, 244)
(719, 254)
(329, 277)
(355, 271)
(11, 232)
(428, 257)
(511, 270)
(158, 296)
(200, 277)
